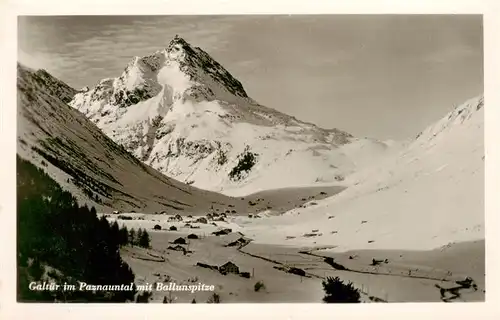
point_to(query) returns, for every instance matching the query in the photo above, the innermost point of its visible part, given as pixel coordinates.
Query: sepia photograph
(281, 158)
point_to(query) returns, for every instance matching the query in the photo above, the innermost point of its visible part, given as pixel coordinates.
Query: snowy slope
(181, 112)
(429, 194)
(86, 162)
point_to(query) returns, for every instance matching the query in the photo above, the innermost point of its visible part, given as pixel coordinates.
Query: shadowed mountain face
(83, 160)
(181, 112)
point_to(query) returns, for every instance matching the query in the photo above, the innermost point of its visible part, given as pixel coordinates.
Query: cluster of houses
(230, 239)
(176, 218)
(214, 216)
(182, 241)
(204, 220)
(217, 216)
(255, 216)
(236, 239)
(158, 227)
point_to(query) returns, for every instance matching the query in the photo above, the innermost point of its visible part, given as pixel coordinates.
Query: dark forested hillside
(61, 242)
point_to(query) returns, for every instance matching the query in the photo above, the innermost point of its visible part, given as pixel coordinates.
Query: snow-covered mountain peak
(183, 113)
(178, 49)
(181, 71)
(200, 67)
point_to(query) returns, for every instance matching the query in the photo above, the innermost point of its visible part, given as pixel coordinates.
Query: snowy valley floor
(397, 276)
(407, 276)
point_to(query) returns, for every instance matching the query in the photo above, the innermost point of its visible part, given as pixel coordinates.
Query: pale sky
(379, 76)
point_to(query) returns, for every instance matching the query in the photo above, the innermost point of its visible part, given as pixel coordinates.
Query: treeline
(138, 238)
(62, 242)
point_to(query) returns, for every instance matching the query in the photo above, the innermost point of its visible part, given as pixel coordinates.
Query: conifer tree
(131, 237)
(123, 236)
(336, 291)
(144, 240)
(138, 237)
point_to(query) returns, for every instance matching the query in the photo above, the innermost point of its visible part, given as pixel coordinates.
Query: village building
(222, 232)
(180, 241)
(239, 243)
(236, 239)
(229, 267)
(233, 244)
